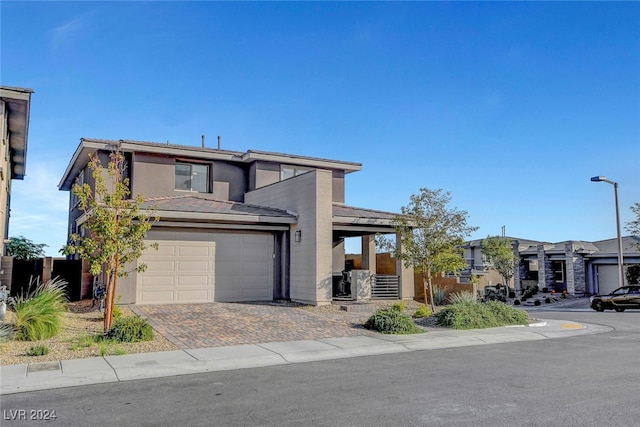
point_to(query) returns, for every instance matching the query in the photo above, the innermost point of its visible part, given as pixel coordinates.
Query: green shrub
(479, 316)
(507, 315)
(439, 295)
(38, 316)
(38, 350)
(399, 306)
(131, 329)
(391, 321)
(529, 292)
(117, 311)
(462, 297)
(466, 316)
(422, 311)
(82, 341)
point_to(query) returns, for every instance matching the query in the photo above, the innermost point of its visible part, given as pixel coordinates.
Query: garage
(202, 266)
(608, 278)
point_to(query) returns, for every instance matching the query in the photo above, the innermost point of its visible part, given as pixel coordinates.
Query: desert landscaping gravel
(80, 321)
(83, 320)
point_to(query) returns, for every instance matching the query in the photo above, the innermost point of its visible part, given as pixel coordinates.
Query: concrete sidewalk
(69, 373)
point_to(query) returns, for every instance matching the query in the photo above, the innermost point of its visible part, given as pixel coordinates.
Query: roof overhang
(80, 158)
(190, 210)
(210, 220)
(350, 221)
(314, 162)
(18, 107)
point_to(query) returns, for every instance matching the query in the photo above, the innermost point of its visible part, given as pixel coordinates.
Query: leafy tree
(633, 274)
(633, 227)
(431, 236)
(116, 225)
(499, 252)
(23, 248)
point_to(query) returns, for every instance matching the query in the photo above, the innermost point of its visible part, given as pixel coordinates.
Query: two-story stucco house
(239, 226)
(15, 106)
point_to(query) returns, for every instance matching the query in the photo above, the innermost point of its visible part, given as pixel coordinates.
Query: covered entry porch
(364, 282)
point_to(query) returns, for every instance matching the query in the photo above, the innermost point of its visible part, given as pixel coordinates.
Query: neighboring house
(575, 266)
(479, 265)
(239, 226)
(15, 104)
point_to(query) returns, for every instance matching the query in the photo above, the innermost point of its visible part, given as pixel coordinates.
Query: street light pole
(620, 258)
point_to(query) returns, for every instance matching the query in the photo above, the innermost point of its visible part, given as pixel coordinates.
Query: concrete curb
(99, 370)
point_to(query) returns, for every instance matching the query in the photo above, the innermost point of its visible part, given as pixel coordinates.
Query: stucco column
(338, 256)
(517, 282)
(405, 274)
(369, 253)
(568, 261)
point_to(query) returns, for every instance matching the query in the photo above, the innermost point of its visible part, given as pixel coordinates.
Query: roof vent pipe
(202, 141)
(219, 139)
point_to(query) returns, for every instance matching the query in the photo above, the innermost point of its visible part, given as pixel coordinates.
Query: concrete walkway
(109, 369)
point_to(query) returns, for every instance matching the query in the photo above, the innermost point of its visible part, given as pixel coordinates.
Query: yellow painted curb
(571, 326)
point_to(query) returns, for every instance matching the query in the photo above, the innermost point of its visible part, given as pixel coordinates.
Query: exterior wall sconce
(298, 235)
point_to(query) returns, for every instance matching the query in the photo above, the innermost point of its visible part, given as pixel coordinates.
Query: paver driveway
(222, 324)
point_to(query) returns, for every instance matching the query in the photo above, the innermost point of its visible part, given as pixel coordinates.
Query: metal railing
(385, 287)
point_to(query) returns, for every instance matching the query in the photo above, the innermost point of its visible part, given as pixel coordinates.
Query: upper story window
(192, 177)
(287, 171)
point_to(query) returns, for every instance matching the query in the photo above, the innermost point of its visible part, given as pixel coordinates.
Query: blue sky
(510, 106)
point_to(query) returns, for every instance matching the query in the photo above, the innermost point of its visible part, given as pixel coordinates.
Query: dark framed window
(192, 177)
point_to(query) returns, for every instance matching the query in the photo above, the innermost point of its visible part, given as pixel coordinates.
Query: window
(558, 271)
(192, 177)
(287, 172)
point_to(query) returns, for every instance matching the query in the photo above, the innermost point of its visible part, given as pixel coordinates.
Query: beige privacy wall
(310, 197)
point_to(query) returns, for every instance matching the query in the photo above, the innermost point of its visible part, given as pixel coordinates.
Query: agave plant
(463, 298)
(439, 295)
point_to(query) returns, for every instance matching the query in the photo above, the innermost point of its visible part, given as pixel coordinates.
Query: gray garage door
(206, 266)
(607, 278)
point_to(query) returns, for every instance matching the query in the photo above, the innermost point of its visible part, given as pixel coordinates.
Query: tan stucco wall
(263, 173)
(309, 195)
(338, 186)
(338, 256)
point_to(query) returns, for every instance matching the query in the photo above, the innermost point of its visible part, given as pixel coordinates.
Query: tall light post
(615, 190)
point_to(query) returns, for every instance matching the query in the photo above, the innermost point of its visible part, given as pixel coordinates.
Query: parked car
(618, 300)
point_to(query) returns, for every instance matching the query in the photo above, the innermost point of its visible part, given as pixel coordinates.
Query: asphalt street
(589, 380)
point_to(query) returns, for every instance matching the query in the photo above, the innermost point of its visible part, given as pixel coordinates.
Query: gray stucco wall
(153, 176)
(309, 195)
(234, 176)
(262, 174)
